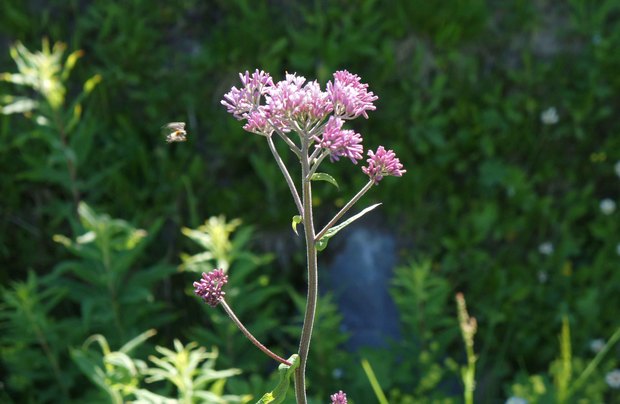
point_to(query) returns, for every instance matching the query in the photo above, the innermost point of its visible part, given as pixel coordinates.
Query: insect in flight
(175, 132)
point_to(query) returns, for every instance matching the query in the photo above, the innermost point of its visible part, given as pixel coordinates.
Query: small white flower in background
(516, 400)
(546, 248)
(608, 206)
(618, 248)
(542, 276)
(549, 116)
(337, 373)
(597, 345)
(617, 168)
(613, 379)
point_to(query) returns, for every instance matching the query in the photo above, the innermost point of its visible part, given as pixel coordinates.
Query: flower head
(613, 379)
(546, 248)
(339, 142)
(382, 163)
(290, 102)
(608, 206)
(349, 97)
(549, 116)
(240, 102)
(597, 345)
(209, 288)
(257, 122)
(339, 398)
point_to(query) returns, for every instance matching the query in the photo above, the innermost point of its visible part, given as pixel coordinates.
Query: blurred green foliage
(495, 203)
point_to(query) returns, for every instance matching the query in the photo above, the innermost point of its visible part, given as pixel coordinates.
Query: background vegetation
(503, 112)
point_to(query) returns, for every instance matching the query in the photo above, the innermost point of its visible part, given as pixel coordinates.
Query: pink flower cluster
(317, 116)
(339, 398)
(340, 143)
(209, 288)
(382, 163)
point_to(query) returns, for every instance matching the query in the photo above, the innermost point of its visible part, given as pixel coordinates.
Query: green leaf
(322, 243)
(134, 342)
(296, 221)
(324, 177)
(18, 105)
(285, 373)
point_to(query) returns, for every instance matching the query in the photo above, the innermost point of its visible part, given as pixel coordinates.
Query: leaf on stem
(285, 373)
(324, 177)
(296, 221)
(322, 243)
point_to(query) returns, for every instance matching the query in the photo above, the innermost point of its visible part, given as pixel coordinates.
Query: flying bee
(175, 132)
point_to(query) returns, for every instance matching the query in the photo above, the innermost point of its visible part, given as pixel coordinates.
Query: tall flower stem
(311, 254)
(249, 335)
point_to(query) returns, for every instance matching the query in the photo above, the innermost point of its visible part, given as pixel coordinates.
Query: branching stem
(344, 210)
(287, 176)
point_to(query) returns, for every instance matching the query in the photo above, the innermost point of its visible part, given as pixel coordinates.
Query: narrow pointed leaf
(322, 243)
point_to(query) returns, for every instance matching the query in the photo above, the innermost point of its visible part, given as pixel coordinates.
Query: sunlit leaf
(285, 373)
(324, 177)
(296, 221)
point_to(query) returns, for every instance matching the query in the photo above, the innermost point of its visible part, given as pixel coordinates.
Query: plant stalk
(287, 176)
(251, 337)
(311, 254)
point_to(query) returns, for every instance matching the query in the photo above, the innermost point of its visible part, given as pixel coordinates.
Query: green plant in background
(113, 295)
(67, 144)
(570, 374)
(190, 369)
(421, 295)
(33, 342)
(214, 236)
(114, 372)
(186, 373)
(468, 326)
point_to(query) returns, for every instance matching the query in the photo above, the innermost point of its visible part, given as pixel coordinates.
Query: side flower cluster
(339, 142)
(382, 163)
(317, 116)
(209, 287)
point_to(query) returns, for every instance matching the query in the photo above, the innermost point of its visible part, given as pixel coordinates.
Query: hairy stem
(311, 254)
(344, 210)
(251, 337)
(286, 174)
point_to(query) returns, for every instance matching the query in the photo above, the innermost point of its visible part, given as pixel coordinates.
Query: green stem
(594, 363)
(311, 254)
(105, 251)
